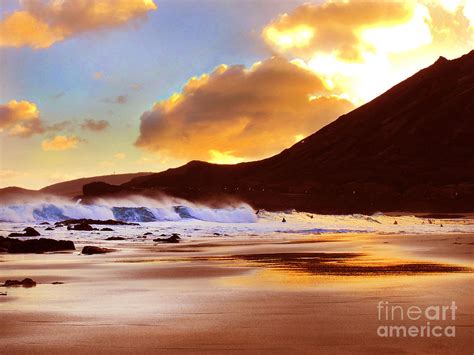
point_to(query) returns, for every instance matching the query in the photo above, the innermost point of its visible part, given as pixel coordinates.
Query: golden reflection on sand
(287, 293)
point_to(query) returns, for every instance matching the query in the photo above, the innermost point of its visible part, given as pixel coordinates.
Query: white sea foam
(176, 215)
(133, 209)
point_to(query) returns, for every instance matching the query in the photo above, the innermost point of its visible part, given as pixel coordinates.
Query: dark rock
(173, 239)
(283, 220)
(99, 188)
(57, 283)
(89, 250)
(81, 227)
(110, 222)
(115, 238)
(49, 229)
(106, 230)
(24, 283)
(29, 232)
(144, 237)
(148, 233)
(16, 246)
(216, 234)
(44, 223)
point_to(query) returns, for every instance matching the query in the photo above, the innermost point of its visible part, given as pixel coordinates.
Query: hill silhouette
(410, 149)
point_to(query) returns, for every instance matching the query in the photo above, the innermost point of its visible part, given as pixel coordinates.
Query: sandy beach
(283, 294)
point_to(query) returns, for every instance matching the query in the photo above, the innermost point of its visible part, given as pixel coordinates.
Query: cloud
(40, 24)
(361, 48)
(20, 118)
(59, 143)
(345, 28)
(120, 99)
(94, 125)
(236, 113)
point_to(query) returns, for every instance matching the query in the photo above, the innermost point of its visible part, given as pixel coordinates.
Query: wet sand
(305, 294)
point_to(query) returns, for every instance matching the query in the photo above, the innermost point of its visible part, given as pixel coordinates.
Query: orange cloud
(59, 143)
(94, 125)
(40, 24)
(361, 48)
(335, 27)
(21, 28)
(20, 118)
(236, 113)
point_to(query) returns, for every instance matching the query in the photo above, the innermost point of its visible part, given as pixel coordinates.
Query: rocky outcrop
(17, 283)
(111, 222)
(173, 239)
(81, 227)
(28, 232)
(99, 188)
(42, 245)
(90, 250)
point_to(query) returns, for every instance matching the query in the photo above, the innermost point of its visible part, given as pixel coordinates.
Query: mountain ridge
(409, 149)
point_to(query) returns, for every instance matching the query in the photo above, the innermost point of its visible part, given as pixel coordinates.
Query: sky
(99, 87)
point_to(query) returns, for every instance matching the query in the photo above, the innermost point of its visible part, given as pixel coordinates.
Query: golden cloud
(40, 24)
(20, 118)
(236, 113)
(59, 143)
(362, 48)
(335, 27)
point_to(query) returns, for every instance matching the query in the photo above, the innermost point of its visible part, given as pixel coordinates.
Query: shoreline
(199, 295)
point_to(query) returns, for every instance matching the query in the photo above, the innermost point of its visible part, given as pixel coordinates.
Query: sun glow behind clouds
(218, 157)
(402, 37)
(469, 11)
(361, 49)
(296, 37)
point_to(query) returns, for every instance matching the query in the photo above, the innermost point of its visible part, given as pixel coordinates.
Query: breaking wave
(132, 210)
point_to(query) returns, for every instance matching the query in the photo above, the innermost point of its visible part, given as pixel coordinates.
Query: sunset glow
(294, 38)
(236, 176)
(108, 86)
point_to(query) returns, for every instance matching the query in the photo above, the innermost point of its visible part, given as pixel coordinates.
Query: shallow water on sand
(307, 285)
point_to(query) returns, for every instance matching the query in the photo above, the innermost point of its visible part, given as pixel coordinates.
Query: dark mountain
(74, 187)
(14, 193)
(410, 149)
